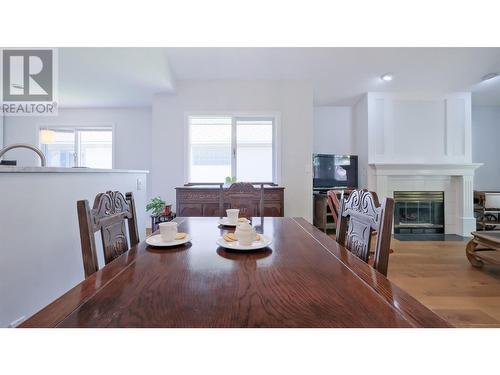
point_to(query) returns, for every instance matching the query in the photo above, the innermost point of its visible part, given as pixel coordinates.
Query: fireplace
(453, 181)
(418, 212)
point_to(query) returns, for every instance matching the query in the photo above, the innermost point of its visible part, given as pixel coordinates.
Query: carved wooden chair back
(243, 195)
(108, 215)
(360, 214)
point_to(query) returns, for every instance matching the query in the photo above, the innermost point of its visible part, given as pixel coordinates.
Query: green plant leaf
(156, 206)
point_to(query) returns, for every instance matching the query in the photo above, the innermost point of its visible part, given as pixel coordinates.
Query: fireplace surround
(454, 179)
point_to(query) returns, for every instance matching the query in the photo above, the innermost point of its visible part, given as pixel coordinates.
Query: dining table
(303, 279)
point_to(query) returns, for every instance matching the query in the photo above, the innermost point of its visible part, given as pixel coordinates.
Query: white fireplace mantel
(406, 169)
(456, 180)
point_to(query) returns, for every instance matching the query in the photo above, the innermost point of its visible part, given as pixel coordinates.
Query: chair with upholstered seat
(360, 215)
(108, 215)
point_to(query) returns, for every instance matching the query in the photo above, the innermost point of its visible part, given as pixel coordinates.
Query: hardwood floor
(438, 274)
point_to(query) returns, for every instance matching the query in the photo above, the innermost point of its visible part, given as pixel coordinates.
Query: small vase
(167, 210)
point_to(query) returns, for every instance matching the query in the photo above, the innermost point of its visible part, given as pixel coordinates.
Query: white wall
(132, 133)
(485, 146)
(333, 130)
(292, 100)
(361, 139)
(419, 128)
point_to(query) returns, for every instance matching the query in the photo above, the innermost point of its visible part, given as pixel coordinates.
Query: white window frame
(274, 116)
(74, 127)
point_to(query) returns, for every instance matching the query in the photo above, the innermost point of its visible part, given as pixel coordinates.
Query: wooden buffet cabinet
(204, 200)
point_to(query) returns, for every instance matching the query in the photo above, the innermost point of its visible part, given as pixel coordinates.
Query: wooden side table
(322, 218)
(484, 247)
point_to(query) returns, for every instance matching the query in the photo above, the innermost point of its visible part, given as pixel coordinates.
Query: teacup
(168, 231)
(245, 234)
(232, 215)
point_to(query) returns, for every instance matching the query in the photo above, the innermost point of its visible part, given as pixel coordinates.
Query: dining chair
(108, 215)
(243, 195)
(359, 216)
(332, 199)
(334, 204)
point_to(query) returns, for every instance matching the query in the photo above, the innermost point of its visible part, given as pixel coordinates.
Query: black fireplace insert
(419, 212)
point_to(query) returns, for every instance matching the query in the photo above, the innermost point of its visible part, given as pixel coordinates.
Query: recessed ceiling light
(489, 76)
(387, 77)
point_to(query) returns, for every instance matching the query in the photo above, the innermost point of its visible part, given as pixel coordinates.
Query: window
(78, 147)
(222, 146)
(210, 149)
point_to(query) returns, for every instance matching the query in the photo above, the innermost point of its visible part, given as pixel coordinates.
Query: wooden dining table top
(303, 279)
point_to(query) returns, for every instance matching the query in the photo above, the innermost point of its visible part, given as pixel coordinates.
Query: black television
(335, 171)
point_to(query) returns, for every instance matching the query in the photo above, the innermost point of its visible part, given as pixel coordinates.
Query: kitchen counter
(40, 250)
(15, 169)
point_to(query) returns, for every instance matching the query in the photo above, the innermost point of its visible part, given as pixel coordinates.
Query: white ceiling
(112, 77)
(131, 76)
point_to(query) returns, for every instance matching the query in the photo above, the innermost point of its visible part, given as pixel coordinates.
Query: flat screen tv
(335, 171)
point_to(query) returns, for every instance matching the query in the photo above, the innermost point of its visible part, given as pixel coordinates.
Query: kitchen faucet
(28, 146)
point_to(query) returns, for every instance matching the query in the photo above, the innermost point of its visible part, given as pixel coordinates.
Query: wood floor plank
(468, 317)
(438, 274)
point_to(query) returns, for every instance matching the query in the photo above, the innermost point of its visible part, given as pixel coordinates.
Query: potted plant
(157, 206)
(229, 181)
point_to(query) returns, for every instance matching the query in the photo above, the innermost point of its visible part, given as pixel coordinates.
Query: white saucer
(262, 243)
(157, 241)
(226, 223)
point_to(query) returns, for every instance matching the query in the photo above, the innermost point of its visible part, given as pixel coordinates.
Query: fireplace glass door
(419, 212)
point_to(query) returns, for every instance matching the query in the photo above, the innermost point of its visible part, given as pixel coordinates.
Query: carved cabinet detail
(205, 201)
